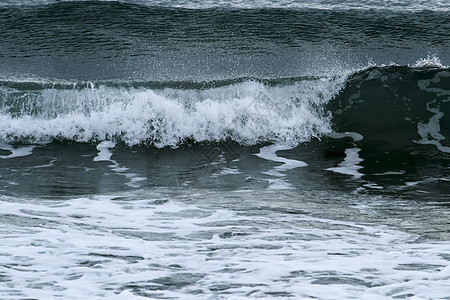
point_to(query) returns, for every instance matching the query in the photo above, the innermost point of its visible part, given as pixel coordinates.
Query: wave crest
(246, 112)
(429, 62)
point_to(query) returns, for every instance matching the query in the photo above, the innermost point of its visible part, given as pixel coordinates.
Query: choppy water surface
(221, 245)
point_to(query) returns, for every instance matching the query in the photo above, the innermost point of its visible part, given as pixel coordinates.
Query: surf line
(105, 154)
(270, 153)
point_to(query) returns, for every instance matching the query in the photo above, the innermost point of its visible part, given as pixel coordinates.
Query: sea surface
(224, 149)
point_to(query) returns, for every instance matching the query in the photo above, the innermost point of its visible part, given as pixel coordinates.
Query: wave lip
(430, 62)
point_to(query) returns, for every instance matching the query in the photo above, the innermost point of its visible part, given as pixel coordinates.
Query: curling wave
(397, 105)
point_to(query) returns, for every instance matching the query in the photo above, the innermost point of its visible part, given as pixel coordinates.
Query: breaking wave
(377, 101)
(246, 111)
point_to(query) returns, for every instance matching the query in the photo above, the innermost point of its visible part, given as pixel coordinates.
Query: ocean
(224, 149)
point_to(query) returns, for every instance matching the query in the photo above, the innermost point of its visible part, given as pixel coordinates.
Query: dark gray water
(94, 40)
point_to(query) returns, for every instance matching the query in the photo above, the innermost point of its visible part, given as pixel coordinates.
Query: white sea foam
(247, 112)
(431, 129)
(111, 248)
(105, 155)
(430, 132)
(230, 171)
(350, 165)
(354, 135)
(270, 153)
(16, 151)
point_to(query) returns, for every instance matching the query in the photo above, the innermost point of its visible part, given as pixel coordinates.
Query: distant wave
(405, 5)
